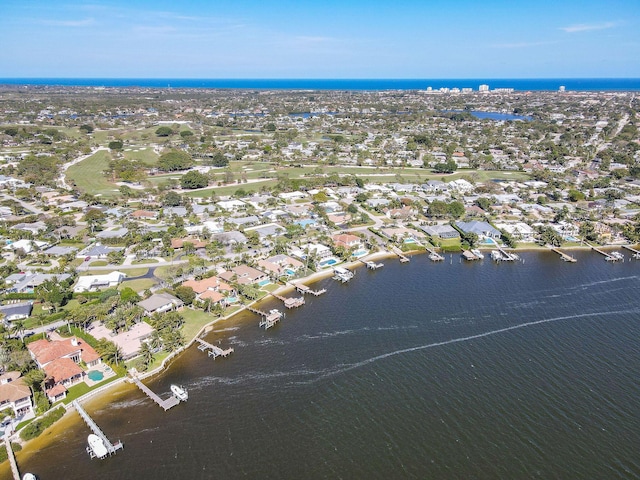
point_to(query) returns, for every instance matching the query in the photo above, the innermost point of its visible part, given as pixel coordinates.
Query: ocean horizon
(517, 84)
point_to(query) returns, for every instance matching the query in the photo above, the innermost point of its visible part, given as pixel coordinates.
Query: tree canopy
(174, 160)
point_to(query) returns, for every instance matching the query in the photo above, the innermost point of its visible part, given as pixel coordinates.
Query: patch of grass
(88, 177)
(99, 263)
(144, 260)
(139, 285)
(194, 321)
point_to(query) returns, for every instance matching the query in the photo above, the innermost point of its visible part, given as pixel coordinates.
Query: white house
(96, 282)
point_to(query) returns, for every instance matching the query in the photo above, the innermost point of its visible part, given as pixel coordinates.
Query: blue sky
(320, 39)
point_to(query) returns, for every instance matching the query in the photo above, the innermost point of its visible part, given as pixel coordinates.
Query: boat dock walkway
(607, 256)
(112, 448)
(213, 350)
(166, 404)
(269, 319)
(402, 256)
(12, 459)
(635, 253)
(373, 265)
(565, 257)
(434, 256)
(303, 289)
(290, 302)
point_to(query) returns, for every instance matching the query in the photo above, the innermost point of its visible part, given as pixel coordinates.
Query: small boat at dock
(477, 253)
(97, 446)
(180, 393)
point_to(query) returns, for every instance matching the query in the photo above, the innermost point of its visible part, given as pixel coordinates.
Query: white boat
(477, 253)
(180, 393)
(97, 446)
(29, 476)
(342, 274)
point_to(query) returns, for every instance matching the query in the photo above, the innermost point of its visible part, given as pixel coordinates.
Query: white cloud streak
(588, 27)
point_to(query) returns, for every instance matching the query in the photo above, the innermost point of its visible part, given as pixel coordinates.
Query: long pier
(166, 404)
(12, 459)
(112, 448)
(607, 256)
(303, 289)
(290, 302)
(402, 256)
(635, 253)
(213, 350)
(565, 257)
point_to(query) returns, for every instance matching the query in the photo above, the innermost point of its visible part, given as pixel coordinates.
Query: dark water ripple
(423, 370)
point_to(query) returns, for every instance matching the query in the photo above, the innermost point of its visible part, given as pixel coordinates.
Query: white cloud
(70, 23)
(586, 27)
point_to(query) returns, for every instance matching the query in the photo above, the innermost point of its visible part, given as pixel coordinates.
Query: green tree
(164, 131)
(194, 179)
(186, 294)
(174, 160)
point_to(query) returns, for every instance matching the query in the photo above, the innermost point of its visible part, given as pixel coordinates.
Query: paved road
(25, 205)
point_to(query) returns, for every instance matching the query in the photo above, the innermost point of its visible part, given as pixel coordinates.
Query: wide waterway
(420, 370)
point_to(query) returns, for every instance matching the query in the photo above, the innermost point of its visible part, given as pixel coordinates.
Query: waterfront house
(45, 351)
(15, 395)
(441, 231)
(482, 229)
(160, 303)
(347, 241)
(245, 275)
(62, 373)
(211, 288)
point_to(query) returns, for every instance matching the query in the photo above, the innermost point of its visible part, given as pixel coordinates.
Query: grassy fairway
(89, 177)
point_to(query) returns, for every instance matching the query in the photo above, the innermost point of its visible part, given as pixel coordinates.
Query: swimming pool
(95, 375)
(331, 261)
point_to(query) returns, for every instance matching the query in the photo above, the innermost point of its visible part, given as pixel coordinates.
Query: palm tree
(146, 355)
(18, 329)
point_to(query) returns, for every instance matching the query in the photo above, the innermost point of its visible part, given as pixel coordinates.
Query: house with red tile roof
(211, 288)
(15, 394)
(45, 351)
(59, 359)
(62, 373)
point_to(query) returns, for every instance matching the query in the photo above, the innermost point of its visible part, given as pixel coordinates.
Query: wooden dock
(373, 265)
(303, 289)
(468, 256)
(434, 256)
(213, 350)
(12, 459)
(166, 404)
(634, 253)
(402, 256)
(565, 257)
(269, 319)
(112, 448)
(616, 257)
(290, 302)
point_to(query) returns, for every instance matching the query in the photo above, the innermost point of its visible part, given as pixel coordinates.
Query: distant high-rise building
(483, 88)
(561, 89)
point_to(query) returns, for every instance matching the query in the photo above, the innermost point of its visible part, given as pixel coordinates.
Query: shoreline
(99, 393)
(95, 395)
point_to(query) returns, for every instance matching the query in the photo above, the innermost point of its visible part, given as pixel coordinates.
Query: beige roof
(15, 388)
